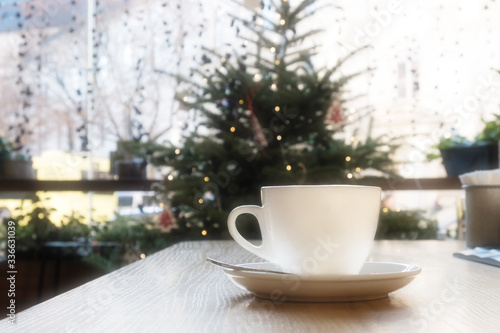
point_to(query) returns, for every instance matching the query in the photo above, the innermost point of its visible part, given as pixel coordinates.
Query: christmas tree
(266, 116)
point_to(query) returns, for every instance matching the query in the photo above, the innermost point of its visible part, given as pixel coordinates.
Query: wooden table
(175, 290)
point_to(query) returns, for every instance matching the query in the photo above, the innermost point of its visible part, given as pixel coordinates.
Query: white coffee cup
(314, 230)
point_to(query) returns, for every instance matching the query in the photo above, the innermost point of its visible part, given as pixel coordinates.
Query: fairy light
(177, 151)
(282, 22)
(272, 49)
(241, 101)
(348, 158)
(193, 169)
(288, 167)
(206, 179)
(170, 177)
(349, 175)
(161, 204)
(385, 210)
(232, 129)
(205, 80)
(204, 232)
(245, 42)
(274, 86)
(257, 77)
(278, 138)
(143, 256)
(223, 59)
(277, 109)
(277, 62)
(185, 99)
(358, 169)
(200, 201)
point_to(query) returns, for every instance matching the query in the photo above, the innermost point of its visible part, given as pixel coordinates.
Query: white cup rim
(319, 186)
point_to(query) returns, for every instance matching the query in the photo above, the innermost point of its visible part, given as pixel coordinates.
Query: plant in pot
(461, 155)
(13, 163)
(131, 158)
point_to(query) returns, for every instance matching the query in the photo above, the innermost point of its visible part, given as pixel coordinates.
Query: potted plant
(461, 155)
(13, 163)
(131, 158)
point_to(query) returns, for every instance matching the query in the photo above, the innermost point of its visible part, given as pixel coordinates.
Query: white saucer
(376, 280)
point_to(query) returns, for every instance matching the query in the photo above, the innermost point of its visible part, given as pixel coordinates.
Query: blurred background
(196, 104)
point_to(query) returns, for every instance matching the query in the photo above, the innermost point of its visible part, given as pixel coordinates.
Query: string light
(204, 232)
(278, 138)
(358, 169)
(177, 151)
(348, 158)
(232, 129)
(282, 22)
(206, 179)
(241, 101)
(277, 62)
(277, 108)
(272, 49)
(200, 201)
(223, 59)
(170, 177)
(385, 209)
(205, 80)
(288, 167)
(274, 87)
(143, 256)
(349, 175)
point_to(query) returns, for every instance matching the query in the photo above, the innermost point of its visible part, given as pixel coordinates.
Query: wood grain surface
(176, 290)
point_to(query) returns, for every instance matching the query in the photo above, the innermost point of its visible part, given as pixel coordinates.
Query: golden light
(277, 62)
(161, 204)
(205, 80)
(170, 177)
(348, 158)
(245, 42)
(288, 167)
(206, 179)
(185, 99)
(274, 86)
(277, 108)
(200, 201)
(143, 256)
(358, 169)
(282, 22)
(204, 232)
(241, 101)
(278, 138)
(232, 129)
(222, 59)
(193, 169)
(385, 209)
(272, 49)
(349, 175)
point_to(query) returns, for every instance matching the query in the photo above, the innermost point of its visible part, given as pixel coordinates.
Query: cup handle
(262, 250)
